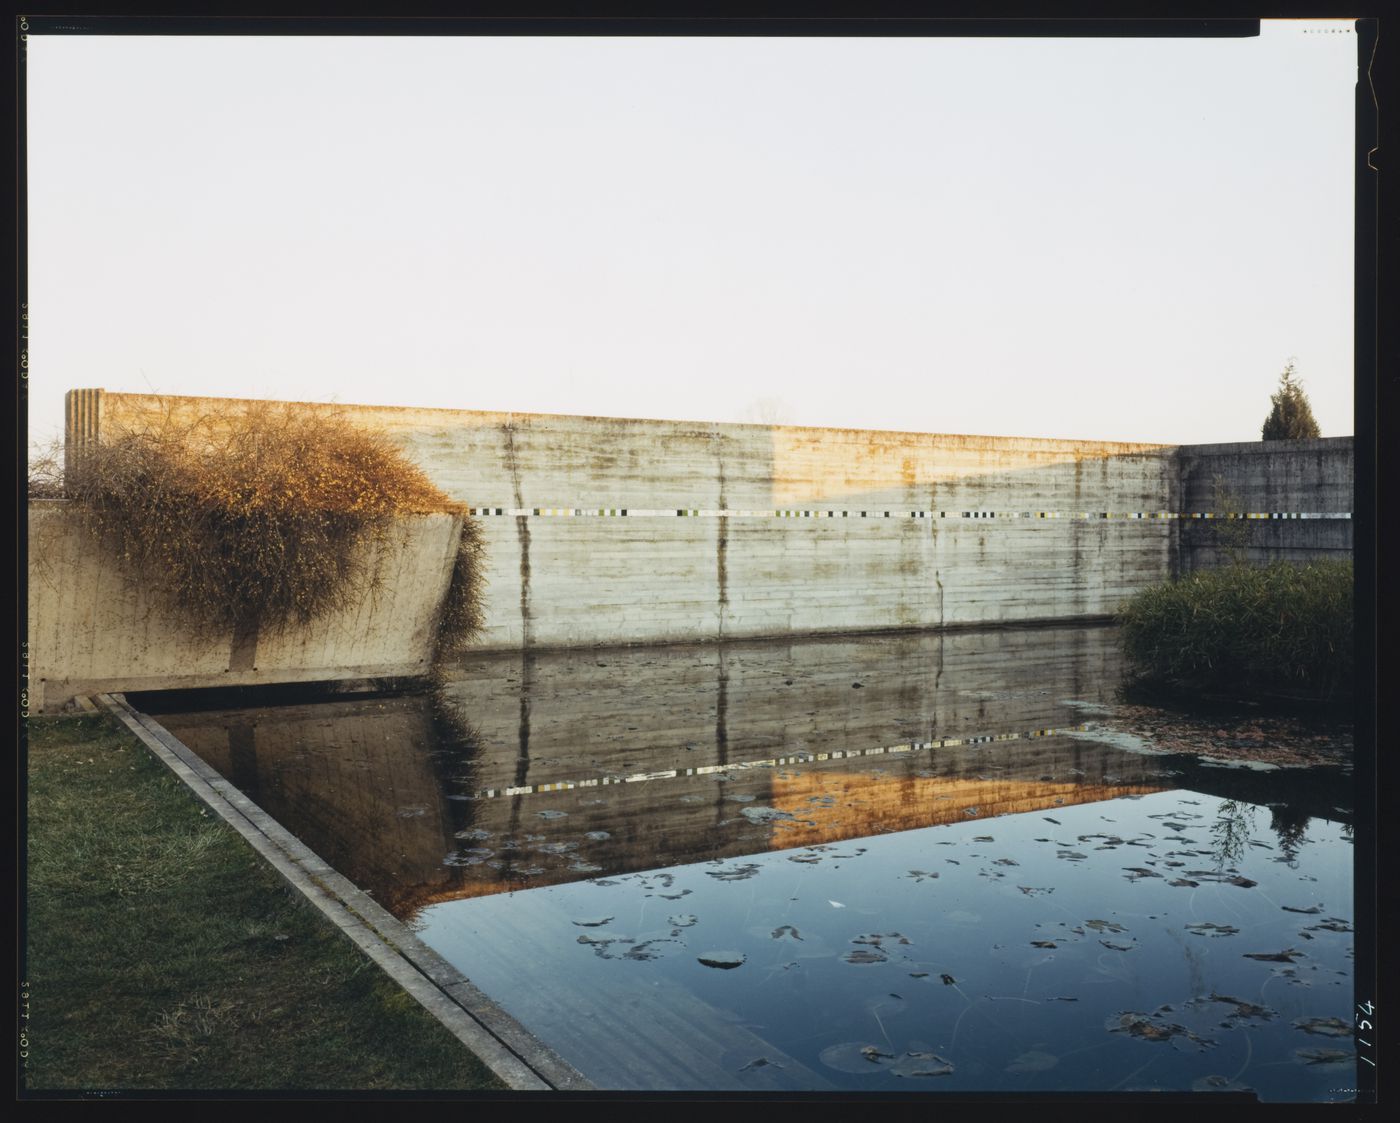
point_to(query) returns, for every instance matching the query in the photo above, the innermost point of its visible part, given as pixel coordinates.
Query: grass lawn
(163, 953)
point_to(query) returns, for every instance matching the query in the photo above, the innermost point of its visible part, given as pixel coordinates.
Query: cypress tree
(1291, 418)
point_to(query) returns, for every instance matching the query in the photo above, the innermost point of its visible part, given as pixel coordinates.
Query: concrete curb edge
(516, 1056)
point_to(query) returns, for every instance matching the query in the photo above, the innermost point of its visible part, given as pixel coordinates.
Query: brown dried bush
(259, 514)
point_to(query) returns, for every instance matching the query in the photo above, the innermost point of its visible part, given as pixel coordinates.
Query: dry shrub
(461, 615)
(256, 514)
(46, 471)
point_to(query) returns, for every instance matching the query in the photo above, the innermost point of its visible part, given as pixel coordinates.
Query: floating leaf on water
(786, 930)
(1117, 947)
(1226, 878)
(1326, 1027)
(921, 1064)
(734, 873)
(1050, 820)
(1071, 855)
(1242, 1011)
(666, 896)
(723, 960)
(760, 1062)
(1331, 924)
(983, 838)
(1219, 1084)
(684, 920)
(948, 980)
(1183, 883)
(1033, 890)
(1214, 930)
(1104, 926)
(1314, 911)
(809, 859)
(1006, 862)
(1136, 873)
(1324, 1056)
(1145, 1028)
(836, 904)
(1044, 944)
(1274, 956)
(855, 1057)
(862, 957)
(643, 950)
(593, 922)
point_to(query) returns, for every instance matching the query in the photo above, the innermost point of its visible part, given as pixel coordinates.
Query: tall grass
(1277, 628)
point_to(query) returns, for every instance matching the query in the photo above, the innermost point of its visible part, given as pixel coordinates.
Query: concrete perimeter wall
(603, 531)
(1309, 477)
(92, 628)
(891, 530)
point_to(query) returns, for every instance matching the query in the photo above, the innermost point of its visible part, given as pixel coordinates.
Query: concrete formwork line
(516, 1056)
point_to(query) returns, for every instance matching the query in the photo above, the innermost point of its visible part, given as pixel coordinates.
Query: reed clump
(1281, 628)
(258, 514)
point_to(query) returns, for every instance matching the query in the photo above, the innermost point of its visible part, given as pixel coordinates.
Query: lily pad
(723, 960)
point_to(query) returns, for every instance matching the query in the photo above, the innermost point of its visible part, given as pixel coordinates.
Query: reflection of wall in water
(594, 714)
(873, 804)
(359, 782)
(651, 824)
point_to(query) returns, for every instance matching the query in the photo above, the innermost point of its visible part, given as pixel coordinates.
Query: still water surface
(875, 864)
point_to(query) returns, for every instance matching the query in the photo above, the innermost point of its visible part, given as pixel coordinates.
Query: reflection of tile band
(796, 758)
(796, 513)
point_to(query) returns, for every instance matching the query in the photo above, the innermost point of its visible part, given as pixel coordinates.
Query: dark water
(877, 864)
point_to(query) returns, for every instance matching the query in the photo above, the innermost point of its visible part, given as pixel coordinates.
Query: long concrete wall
(604, 531)
(94, 627)
(786, 530)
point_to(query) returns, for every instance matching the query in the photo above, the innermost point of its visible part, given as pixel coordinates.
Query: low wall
(93, 628)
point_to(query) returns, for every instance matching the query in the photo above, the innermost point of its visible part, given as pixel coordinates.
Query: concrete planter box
(94, 628)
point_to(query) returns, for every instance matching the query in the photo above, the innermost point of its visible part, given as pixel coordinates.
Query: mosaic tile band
(693, 512)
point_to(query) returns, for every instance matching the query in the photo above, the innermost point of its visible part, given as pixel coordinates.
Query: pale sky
(1110, 239)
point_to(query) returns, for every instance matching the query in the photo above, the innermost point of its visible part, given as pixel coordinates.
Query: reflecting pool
(879, 863)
